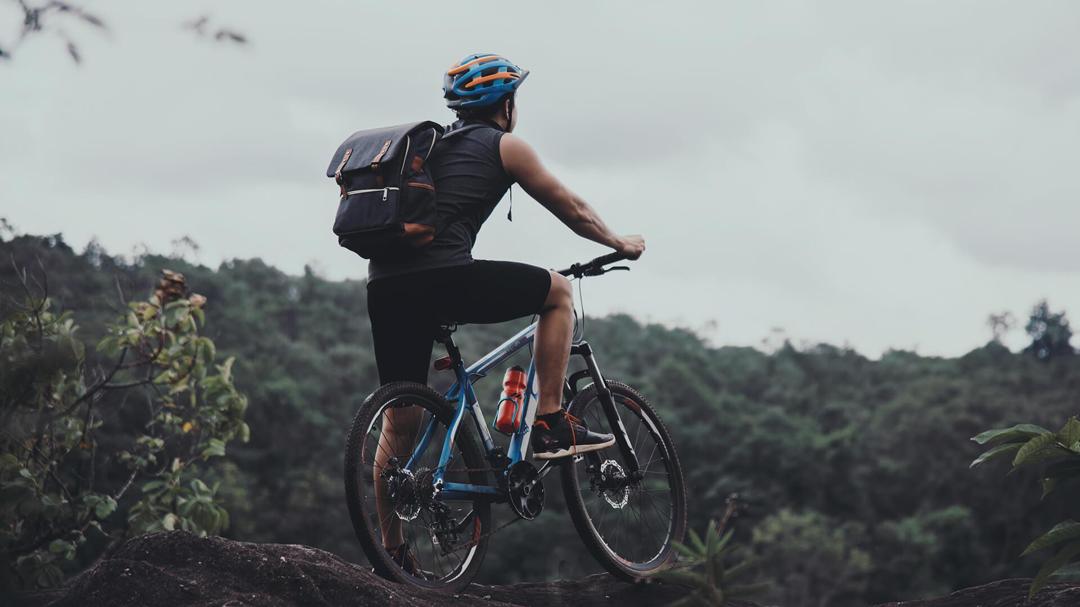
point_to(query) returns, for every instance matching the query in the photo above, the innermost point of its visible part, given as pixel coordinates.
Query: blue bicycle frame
(462, 392)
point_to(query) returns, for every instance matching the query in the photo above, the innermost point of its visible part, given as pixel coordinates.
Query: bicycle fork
(607, 402)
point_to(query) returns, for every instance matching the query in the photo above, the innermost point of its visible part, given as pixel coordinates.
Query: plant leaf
(996, 452)
(683, 578)
(1039, 449)
(1053, 564)
(687, 551)
(1061, 532)
(736, 570)
(744, 590)
(105, 507)
(695, 541)
(1069, 434)
(1048, 485)
(1017, 432)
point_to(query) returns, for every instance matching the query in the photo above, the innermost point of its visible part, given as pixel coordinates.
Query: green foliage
(815, 560)
(1049, 331)
(75, 439)
(842, 440)
(708, 570)
(1060, 453)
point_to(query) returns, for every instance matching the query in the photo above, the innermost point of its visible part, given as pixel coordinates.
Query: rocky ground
(176, 568)
(1006, 593)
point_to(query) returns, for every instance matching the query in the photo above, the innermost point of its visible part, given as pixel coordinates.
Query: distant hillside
(855, 470)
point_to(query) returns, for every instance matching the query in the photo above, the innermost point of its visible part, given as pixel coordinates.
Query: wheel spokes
(636, 528)
(419, 531)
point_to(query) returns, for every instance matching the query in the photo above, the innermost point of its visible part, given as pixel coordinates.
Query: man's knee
(561, 292)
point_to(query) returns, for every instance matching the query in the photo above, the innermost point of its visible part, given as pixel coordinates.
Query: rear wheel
(628, 524)
(448, 539)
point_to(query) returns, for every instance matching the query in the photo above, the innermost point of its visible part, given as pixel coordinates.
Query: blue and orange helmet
(481, 79)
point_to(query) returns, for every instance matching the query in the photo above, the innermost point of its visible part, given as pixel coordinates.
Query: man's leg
(402, 331)
(552, 343)
(496, 291)
(399, 434)
(557, 434)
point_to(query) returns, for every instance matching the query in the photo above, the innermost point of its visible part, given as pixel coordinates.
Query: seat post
(445, 336)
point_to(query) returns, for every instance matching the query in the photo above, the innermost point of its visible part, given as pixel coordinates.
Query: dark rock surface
(176, 568)
(1006, 593)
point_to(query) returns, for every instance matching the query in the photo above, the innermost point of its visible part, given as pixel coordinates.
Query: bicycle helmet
(481, 79)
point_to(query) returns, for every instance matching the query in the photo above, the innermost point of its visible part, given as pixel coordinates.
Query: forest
(854, 472)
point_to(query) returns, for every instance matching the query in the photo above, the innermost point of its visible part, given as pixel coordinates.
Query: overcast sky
(881, 174)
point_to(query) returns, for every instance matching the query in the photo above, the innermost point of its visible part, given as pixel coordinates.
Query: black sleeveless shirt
(469, 182)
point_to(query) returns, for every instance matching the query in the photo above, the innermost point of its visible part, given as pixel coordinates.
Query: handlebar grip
(603, 260)
(593, 267)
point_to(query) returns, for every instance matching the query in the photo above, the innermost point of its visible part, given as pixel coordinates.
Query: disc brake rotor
(613, 486)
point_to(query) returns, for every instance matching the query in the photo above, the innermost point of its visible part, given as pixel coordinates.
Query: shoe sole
(575, 450)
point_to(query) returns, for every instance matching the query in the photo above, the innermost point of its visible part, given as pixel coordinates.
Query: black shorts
(407, 310)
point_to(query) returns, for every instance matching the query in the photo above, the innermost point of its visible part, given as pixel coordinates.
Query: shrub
(1059, 454)
(76, 440)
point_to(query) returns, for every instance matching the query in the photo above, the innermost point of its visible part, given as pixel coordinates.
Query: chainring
(525, 490)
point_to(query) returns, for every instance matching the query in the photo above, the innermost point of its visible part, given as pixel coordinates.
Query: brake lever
(602, 271)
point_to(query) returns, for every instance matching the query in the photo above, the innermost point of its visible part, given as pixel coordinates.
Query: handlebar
(595, 267)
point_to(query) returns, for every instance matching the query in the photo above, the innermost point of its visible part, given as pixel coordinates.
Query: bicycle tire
(572, 472)
(357, 490)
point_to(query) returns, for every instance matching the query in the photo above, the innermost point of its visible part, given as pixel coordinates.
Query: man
(409, 298)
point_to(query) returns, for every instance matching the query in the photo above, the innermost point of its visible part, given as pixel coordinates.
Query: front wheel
(627, 522)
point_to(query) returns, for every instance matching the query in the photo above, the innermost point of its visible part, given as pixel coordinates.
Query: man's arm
(523, 164)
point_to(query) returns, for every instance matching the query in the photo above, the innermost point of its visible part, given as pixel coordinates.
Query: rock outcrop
(1006, 593)
(176, 568)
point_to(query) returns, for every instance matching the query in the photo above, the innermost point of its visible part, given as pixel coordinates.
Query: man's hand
(632, 246)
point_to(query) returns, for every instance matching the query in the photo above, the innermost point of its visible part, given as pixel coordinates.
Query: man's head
(482, 86)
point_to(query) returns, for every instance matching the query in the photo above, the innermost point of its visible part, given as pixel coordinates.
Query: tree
(1049, 332)
(1000, 324)
(77, 445)
(41, 17)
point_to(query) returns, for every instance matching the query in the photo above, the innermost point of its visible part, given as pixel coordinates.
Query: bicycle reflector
(442, 364)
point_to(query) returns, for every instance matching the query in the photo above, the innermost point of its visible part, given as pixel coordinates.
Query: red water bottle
(511, 401)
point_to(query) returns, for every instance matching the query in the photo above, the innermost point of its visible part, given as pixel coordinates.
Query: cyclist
(408, 298)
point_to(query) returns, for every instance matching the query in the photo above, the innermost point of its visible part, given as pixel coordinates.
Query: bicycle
(442, 498)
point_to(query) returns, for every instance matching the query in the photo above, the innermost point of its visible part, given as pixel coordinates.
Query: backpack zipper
(406, 157)
(434, 137)
(385, 192)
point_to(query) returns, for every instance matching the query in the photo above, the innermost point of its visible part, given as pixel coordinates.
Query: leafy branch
(1059, 454)
(54, 411)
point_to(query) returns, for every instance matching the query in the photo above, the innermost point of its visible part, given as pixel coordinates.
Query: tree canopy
(855, 471)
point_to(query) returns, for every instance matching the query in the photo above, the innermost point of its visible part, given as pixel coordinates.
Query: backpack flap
(375, 148)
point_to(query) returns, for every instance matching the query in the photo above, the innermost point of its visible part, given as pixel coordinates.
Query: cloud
(885, 175)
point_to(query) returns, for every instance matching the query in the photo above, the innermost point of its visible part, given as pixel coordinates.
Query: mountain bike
(627, 502)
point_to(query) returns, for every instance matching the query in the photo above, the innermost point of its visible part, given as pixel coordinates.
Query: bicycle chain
(488, 534)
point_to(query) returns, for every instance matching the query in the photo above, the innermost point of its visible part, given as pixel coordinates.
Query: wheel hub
(410, 491)
(613, 484)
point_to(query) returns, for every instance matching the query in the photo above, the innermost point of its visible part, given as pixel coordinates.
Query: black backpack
(387, 202)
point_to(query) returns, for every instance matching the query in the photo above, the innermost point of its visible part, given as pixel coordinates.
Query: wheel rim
(634, 523)
(420, 529)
